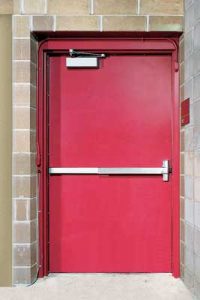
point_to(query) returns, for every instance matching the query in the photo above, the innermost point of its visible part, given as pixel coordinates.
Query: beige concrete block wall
(25, 233)
(58, 15)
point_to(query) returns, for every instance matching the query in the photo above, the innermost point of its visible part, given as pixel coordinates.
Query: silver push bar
(164, 171)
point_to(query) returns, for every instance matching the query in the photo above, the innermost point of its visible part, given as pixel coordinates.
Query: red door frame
(145, 45)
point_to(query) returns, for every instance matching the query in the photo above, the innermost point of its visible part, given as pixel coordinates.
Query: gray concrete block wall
(191, 86)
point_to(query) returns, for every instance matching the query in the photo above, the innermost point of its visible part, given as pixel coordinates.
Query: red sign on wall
(185, 112)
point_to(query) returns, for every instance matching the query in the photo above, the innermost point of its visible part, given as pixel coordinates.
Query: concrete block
(25, 275)
(197, 289)
(34, 7)
(189, 68)
(197, 188)
(189, 236)
(86, 23)
(25, 255)
(196, 112)
(197, 241)
(188, 278)
(189, 260)
(21, 118)
(182, 186)
(189, 211)
(197, 87)
(197, 163)
(189, 18)
(189, 136)
(17, 7)
(124, 23)
(24, 232)
(34, 51)
(182, 141)
(188, 89)
(112, 7)
(24, 186)
(188, 3)
(189, 187)
(6, 7)
(43, 23)
(189, 40)
(21, 71)
(182, 253)
(21, 95)
(197, 36)
(189, 163)
(21, 49)
(196, 63)
(181, 49)
(197, 214)
(161, 7)
(182, 73)
(182, 208)
(197, 267)
(21, 26)
(24, 163)
(197, 10)
(63, 7)
(165, 23)
(182, 167)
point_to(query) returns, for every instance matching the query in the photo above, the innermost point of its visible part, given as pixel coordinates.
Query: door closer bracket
(82, 59)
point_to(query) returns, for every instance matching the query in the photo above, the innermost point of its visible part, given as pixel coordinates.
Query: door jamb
(151, 45)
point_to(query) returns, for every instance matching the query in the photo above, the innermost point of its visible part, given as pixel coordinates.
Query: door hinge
(38, 157)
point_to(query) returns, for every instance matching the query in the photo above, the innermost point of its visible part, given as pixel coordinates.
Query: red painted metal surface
(110, 117)
(106, 224)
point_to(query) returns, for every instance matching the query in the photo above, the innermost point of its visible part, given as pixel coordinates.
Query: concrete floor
(101, 287)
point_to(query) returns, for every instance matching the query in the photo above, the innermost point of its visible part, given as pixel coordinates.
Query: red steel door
(118, 115)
